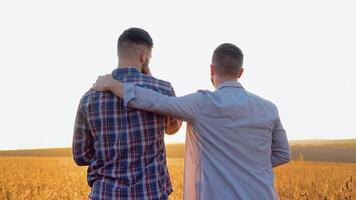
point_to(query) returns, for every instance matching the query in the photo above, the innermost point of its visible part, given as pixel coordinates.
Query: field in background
(51, 173)
(348, 143)
(309, 150)
(59, 178)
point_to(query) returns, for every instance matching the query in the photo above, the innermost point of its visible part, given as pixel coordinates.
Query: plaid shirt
(123, 147)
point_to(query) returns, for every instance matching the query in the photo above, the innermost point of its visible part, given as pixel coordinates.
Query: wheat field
(60, 178)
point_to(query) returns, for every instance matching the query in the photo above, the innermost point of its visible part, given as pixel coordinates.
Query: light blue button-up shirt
(234, 139)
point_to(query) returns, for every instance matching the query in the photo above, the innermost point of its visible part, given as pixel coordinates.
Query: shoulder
(87, 98)
(203, 96)
(268, 104)
(159, 81)
(89, 94)
(205, 93)
(159, 85)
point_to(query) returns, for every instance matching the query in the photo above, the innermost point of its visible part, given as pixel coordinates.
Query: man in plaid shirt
(123, 147)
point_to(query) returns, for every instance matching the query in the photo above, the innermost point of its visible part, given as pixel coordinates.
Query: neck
(129, 63)
(220, 80)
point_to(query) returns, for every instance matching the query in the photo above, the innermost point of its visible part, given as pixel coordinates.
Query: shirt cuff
(129, 93)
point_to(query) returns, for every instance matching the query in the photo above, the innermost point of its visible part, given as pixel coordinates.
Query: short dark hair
(134, 36)
(228, 59)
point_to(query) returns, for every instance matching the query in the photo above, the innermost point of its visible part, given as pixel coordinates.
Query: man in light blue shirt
(234, 138)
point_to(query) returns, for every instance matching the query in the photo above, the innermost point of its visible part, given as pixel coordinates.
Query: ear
(212, 70)
(143, 57)
(241, 72)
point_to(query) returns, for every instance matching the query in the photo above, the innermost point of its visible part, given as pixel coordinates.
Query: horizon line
(66, 147)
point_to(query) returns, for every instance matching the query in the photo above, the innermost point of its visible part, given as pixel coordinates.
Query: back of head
(228, 60)
(132, 41)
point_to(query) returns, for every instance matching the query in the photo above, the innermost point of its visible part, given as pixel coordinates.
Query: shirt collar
(125, 71)
(229, 84)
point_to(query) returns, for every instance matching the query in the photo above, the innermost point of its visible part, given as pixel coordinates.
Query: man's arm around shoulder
(186, 107)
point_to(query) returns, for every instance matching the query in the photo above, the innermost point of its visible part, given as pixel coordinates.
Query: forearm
(150, 100)
(186, 107)
(172, 125)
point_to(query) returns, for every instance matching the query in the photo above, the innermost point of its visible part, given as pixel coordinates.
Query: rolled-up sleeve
(129, 93)
(186, 107)
(280, 146)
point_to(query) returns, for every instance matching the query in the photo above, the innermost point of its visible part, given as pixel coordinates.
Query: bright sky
(301, 55)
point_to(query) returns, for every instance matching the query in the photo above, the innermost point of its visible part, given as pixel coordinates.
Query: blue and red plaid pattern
(123, 147)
